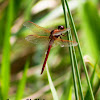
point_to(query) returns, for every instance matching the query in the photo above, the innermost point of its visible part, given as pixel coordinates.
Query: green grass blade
(77, 73)
(88, 95)
(71, 55)
(74, 57)
(73, 73)
(76, 68)
(22, 83)
(5, 67)
(77, 40)
(53, 90)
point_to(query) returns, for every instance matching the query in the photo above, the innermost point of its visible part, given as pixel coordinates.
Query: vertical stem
(71, 55)
(5, 66)
(74, 29)
(77, 71)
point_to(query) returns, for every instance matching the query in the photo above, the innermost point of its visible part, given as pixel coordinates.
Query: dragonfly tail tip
(41, 72)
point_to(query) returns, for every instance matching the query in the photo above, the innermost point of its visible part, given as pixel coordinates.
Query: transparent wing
(35, 39)
(65, 43)
(59, 32)
(36, 29)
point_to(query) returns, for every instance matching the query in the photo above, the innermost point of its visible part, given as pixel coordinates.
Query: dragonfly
(52, 38)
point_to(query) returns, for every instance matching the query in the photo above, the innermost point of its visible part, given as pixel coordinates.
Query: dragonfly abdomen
(48, 51)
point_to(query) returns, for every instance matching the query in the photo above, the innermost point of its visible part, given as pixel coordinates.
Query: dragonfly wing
(65, 43)
(36, 29)
(35, 39)
(61, 31)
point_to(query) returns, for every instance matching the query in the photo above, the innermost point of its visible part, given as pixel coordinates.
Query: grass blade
(22, 83)
(71, 55)
(5, 67)
(77, 40)
(88, 95)
(53, 90)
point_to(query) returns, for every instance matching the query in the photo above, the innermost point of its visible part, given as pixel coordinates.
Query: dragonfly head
(60, 27)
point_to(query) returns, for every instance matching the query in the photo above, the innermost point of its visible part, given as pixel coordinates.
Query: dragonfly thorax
(52, 36)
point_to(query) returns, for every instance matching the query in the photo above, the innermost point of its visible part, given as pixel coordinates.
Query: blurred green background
(21, 61)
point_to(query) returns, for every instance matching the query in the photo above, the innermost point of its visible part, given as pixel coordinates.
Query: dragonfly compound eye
(60, 27)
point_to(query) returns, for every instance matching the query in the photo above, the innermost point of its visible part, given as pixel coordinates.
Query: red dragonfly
(53, 37)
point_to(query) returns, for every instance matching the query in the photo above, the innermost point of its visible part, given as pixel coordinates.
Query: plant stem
(5, 66)
(75, 32)
(71, 55)
(77, 71)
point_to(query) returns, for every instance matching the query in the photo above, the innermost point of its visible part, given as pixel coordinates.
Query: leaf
(22, 83)
(5, 67)
(53, 90)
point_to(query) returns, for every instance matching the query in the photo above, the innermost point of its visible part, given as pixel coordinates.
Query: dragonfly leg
(60, 37)
(63, 35)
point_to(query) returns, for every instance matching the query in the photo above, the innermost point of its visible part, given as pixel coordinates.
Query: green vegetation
(73, 73)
